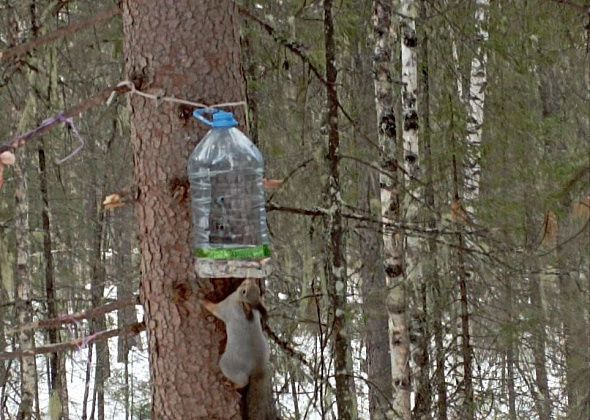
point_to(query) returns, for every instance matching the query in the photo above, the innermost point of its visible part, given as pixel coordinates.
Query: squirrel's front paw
(210, 306)
(229, 383)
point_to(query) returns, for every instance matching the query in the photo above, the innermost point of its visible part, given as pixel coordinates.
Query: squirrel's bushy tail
(259, 401)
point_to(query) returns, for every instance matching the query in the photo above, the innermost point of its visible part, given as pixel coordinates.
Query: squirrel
(245, 361)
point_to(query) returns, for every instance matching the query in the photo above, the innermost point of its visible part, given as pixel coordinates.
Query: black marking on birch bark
(389, 164)
(411, 157)
(409, 100)
(411, 120)
(394, 207)
(410, 39)
(383, 55)
(387, 124)
(393, 271)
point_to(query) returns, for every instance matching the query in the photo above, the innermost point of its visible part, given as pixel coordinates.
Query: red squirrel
(245, 360)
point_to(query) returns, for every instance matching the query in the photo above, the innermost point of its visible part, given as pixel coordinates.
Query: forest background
(430, 234)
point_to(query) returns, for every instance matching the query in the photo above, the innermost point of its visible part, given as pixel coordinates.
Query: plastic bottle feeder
(230, 236)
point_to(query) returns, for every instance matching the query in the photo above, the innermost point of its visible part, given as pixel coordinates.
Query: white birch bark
(476, 101)
(399, 342)
(413, 193)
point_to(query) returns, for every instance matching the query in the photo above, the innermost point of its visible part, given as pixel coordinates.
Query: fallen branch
(77, 344)
(75, 318)
(60, 33)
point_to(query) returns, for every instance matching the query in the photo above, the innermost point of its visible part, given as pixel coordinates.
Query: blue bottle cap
(221, 119)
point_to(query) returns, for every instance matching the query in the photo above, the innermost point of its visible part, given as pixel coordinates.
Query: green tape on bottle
(246, 253)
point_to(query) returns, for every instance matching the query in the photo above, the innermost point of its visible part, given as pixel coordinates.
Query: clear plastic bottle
(227, 196)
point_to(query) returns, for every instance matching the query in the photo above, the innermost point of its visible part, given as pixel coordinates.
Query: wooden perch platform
(234, 269)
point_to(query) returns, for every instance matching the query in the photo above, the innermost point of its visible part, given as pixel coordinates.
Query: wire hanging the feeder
(230, 236)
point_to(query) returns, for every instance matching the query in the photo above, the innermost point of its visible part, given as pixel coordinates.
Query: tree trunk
(189, 50)
(374, 278)
(23, 305)
(373, 284)
(337, 283)
(476, 100)
(422, 407)
(573, 304)
(572, 301)
(413, 197)
(98, 277)
(471, 186)
(432, 268)
(538, 318)
(464, 351)
(58, 389)
(399, 341)
(6, 283)
(122, 235)
(539, 337)
(510, 356)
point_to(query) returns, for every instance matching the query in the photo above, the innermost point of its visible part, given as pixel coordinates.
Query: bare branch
(75, 318)
(94, 101)
(129, 330)
(60, 33)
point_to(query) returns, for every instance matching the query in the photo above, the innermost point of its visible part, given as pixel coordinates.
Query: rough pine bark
(189, 50)
(337, 283)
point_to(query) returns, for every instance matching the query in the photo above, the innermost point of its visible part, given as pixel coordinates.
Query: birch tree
(470, 188)
(384, 36)
(345, 397)
(399, 341)
(476, 102)
(411, 155)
